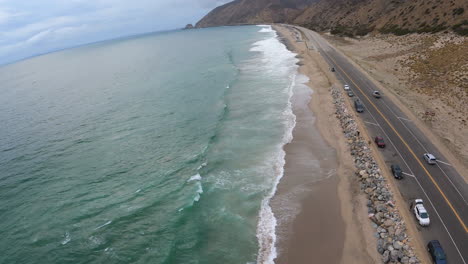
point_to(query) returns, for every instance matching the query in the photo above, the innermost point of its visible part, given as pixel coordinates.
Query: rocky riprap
(392, 240)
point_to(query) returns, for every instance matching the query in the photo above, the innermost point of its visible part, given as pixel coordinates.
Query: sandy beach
(321, 214)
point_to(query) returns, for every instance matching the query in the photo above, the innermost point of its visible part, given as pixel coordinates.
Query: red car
(380, 142)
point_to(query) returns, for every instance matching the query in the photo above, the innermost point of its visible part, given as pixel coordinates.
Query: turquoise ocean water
(163, 148)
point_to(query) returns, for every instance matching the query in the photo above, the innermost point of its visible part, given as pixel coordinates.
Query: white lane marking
(420, 186)
(407, 174)
(444, 162)
(419, 142)
(422, 189)
(371, 123)
(414, 136)
(437, 164)
(399, 117)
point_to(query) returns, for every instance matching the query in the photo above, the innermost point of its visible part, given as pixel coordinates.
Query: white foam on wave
(265, 29)
(66, 239)
(202, 165)
(199, 192)
(278, 60)
(196, 177)
(103, 225)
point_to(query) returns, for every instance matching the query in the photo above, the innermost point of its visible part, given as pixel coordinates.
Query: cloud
(39, 36)
(32, 27)
(4, 16)
(7, 15)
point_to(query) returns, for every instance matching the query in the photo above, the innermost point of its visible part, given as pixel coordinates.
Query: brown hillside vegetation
(347, 17)
(254, 11)
(359, 17)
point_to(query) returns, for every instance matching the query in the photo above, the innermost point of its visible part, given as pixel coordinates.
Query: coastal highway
(443, 189)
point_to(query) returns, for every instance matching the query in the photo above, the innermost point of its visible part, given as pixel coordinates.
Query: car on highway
(380, 142)
(359, 106)
(421, 213)
(346, 87)
(333, 69)
(437, 252)
(350, 93)
(430, 159)
(376, 94)
(396, 171)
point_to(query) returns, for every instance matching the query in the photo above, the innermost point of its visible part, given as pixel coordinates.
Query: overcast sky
(31, 27)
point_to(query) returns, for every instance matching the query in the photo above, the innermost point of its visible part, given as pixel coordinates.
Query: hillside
(347, 17)
(254, 11)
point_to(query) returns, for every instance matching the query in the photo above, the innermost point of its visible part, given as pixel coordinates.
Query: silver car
(430, 159)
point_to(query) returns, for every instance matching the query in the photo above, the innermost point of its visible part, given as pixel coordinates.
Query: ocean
(162, 148)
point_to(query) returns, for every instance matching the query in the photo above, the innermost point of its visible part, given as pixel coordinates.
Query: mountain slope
(254, 11)
(396, 16)
(349, 17)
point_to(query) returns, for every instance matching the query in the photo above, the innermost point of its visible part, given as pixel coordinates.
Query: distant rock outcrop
(189, 26)
(347, 17)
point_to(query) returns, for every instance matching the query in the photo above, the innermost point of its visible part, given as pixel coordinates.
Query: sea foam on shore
(276, 58)
(149, 151)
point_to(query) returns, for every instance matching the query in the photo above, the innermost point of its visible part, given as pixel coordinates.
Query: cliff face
(254, 11)
(348, 17)
(395, 16)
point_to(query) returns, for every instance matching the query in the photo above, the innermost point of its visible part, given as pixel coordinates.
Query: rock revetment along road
(443, 189)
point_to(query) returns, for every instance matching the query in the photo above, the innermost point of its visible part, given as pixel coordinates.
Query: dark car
(396, 171)
(333, 69)
(350, 93)
(437, 252)
(359, 106)
(380, 142)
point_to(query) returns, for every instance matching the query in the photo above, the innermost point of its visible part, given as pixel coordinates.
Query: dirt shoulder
(421, 73)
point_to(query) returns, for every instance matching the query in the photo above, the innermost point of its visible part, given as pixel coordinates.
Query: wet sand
(306, 204)
(321, 216)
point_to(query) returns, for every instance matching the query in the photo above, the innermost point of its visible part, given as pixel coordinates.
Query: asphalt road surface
(444, 191)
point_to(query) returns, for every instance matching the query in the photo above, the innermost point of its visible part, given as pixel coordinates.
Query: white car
(421, 213)
(346, 87)
(430, 158)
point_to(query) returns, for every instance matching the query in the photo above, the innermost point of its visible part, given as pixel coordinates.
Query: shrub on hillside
(462, 28)
(394, 29)
(458, 11)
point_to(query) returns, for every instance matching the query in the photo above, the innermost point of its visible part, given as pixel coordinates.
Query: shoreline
(330, 225)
